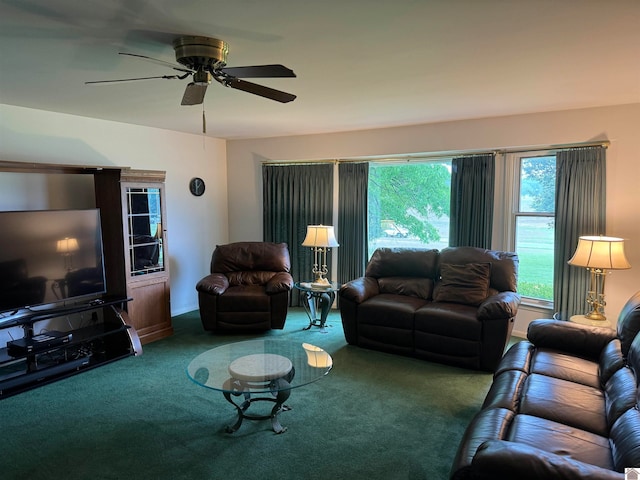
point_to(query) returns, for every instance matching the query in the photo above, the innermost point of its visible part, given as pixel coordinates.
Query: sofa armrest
(504, 459)
(214, 284)
(574, 338)
(503, 305)
(360, 289)
(280, 282)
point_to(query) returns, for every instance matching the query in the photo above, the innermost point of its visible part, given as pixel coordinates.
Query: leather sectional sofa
(563, 405)
(454, 306)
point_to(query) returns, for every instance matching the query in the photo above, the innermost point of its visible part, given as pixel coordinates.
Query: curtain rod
(564, 146)
(438, 155)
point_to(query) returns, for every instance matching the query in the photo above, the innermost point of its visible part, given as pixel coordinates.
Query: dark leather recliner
(248, 288)
(564, 404)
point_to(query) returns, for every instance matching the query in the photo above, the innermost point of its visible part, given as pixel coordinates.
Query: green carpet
(375, 416)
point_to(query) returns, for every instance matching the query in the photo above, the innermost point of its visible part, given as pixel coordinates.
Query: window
(532, 221)
(409, 204)
(409, 207)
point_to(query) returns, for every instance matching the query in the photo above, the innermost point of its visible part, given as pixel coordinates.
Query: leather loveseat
(248, 288)
(563, 405)
(454, 306)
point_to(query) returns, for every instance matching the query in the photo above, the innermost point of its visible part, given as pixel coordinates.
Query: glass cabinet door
(144, 223)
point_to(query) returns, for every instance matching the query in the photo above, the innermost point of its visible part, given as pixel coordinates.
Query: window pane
(534, 244)
(409, 205)
(537, 184)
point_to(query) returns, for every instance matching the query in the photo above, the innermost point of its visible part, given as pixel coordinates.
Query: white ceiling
(360, 63)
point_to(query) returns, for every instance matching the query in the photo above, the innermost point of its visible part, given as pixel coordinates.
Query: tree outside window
(409, 204)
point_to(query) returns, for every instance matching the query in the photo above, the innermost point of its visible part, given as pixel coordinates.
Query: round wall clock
(196, 186)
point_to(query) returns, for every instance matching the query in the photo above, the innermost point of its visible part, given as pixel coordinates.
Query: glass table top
(259, 363)
(314, 287)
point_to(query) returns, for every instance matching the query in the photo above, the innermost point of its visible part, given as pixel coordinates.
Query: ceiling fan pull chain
(204, 121)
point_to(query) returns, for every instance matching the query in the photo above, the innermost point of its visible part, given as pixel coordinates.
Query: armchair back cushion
(254, 257)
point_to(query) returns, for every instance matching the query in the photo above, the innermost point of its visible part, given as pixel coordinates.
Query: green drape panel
(472, 189)
(353, 180)
(580, 210)
(294, 196)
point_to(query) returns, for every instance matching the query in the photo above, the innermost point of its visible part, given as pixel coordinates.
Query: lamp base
(321, 282)
(596, 316)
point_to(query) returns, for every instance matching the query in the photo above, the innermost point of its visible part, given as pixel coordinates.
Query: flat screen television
(49, 257)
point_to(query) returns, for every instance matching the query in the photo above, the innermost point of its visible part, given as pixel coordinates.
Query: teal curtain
(472, 191)
(353, 180)
(293, 197)
(580, 210)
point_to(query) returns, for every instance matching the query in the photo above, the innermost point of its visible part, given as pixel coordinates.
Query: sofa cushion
(455, 320)
(467, 284)
(411, 286)
(565, 402)
(250, 298)
(395, 311)
(402, 262)
(553, 363)
(504, 265)
(561, 439)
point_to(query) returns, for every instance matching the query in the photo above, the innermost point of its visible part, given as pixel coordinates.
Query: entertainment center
(35, 360)
(82, 288)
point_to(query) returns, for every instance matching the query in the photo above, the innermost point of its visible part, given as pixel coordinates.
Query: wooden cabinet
(141, 230)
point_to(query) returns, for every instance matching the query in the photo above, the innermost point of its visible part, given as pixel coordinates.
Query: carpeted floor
(375, 416)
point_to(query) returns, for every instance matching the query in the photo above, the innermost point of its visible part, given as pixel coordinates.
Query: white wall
(195, 224)
(618, 124)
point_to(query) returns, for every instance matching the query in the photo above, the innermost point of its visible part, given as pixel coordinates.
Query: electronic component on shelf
(42, 375)
(37, 343)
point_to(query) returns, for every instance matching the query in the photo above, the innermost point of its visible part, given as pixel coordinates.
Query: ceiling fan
(205, 59)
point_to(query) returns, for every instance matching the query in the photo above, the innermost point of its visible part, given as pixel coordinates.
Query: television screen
(49, 257)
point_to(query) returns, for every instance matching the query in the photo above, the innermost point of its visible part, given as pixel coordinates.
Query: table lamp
(66, 247)
(320, 238)
(599, 254)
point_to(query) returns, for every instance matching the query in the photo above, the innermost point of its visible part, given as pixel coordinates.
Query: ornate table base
(281, 391)
(318, 301)
(259, 372)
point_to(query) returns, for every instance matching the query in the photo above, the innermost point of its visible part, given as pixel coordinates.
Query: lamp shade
(317, 357)
(320, 236)
(600, 252)
(67, 245)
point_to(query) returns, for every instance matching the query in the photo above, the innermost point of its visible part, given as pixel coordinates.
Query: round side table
(587, 321)
(318, 299)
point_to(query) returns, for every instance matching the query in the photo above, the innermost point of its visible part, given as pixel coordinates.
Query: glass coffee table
(259, 370)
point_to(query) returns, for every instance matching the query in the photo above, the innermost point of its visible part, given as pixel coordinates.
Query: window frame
(510, 208)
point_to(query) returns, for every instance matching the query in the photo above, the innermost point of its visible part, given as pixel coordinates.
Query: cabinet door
(146, 259)
(149, 309)
(144, 206)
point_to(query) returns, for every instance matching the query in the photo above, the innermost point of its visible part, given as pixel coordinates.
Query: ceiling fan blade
(157, 61)
(261, 90)
(166, 77)
(194, 94)
(259, 71)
